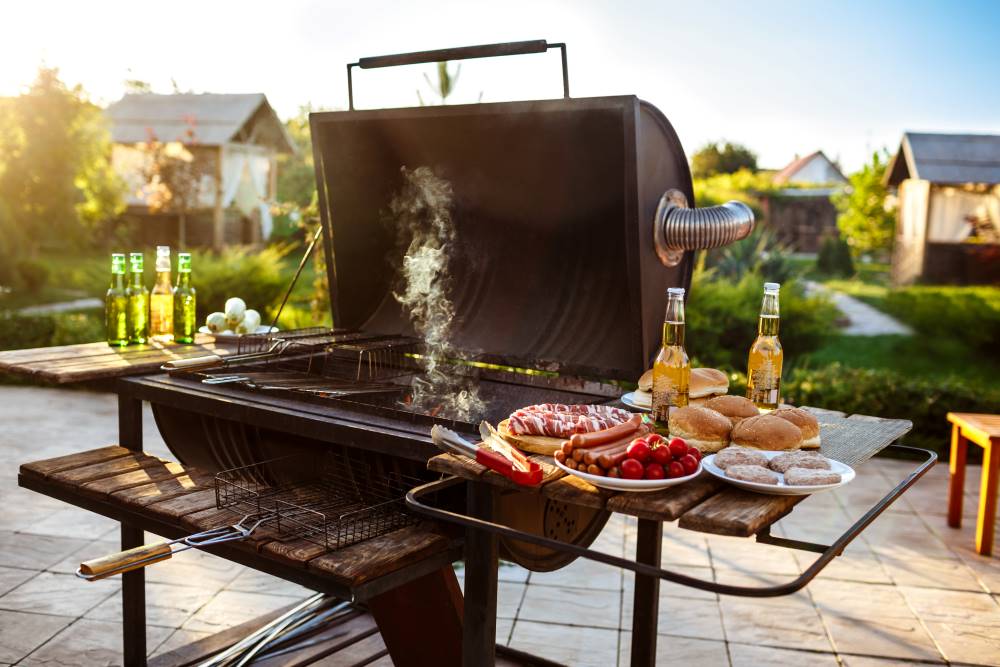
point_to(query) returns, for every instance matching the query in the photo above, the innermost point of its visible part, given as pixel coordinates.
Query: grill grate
(346, 502)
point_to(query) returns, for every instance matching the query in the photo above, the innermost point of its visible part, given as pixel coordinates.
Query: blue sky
(781, 77)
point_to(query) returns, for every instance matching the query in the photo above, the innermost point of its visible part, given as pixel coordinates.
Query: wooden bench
(982, 430)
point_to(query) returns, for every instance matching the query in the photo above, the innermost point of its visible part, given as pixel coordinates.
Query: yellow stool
(983, 430)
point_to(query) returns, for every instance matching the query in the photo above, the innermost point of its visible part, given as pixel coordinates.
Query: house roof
(954, 159)
(214, 119)
(796, 165)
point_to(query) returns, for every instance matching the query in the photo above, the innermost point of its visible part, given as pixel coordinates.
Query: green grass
(913, 356)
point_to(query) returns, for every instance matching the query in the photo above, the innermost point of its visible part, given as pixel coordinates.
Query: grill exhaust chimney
(677, 228)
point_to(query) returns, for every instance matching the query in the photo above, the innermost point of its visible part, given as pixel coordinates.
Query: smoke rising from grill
(421, 212)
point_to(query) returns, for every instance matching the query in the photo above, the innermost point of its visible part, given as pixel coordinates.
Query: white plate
(637, 485)
(846, 472)
(638, 400)
(262, 329)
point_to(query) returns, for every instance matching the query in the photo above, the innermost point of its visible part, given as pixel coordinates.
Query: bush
(253, 275)
(24, 331)
(33, 275)
(722, 319)
(835, 258)
(889, 394)
(73, 328)
(968, 314)
(759, 253)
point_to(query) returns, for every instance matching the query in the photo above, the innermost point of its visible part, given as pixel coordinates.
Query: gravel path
(864, 319)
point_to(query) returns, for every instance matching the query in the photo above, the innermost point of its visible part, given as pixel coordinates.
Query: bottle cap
(675, 291)
(117, 262)
(162, 258)
(135, 259)
(772, 287)
(183, 262)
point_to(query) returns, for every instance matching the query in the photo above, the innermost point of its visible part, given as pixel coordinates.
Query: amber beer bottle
(672, 369)
(161, 299)
(766, 356)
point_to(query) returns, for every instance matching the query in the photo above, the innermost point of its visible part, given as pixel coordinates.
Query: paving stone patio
(910, 590)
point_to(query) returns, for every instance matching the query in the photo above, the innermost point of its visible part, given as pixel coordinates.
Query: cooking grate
(344, 503)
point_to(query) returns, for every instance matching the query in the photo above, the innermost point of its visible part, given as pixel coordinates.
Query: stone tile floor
(910, 590)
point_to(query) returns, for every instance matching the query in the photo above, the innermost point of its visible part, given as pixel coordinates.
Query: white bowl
(262, 329)
(637, 485)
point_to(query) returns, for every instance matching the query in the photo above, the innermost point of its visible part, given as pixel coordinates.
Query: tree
(866, 219)
(296, 175)
(56, 178)
(729, 158)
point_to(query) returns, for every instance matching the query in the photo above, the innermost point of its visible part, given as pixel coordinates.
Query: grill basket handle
(458, 53)
(677, 228)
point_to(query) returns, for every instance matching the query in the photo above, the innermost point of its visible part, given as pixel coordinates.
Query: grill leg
(481, 563)
(134, 582)
(646, 600)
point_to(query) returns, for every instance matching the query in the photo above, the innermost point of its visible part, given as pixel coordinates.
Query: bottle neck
(673, 325)
(136, 279)
(769, 315)
(117, 280)
(184, 279)
(163, 278)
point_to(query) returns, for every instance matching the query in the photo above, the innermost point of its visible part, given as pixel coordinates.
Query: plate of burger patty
(794, 472)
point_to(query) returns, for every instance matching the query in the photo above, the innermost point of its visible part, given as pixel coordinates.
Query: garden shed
(800, 214)
(948, 224)
(231, 144)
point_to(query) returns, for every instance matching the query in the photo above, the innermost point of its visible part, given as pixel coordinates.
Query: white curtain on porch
(246, 172)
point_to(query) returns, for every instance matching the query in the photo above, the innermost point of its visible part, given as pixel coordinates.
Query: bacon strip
(562, 421)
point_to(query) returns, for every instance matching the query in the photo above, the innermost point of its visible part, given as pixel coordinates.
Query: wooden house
(800, 214)
(233, 142)
(948, 224)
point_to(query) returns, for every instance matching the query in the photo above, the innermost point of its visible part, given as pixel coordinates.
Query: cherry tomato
(631, 469)
(695, 452)
(689, 463)
(655, 440)
(676, 470)
(638, 449)
(662, 454)
(654, 471)
(678, 448)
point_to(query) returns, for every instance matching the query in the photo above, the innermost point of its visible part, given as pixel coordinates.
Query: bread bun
(805, 420)
(736, 408)
(767, 432)
(707, 382)
(646, 381)
(702, 428)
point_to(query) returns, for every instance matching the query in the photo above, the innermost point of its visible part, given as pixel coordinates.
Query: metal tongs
(495, 453)
(147, 554)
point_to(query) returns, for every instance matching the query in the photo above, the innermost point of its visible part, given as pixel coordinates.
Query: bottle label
(666, 398)
(764, 385)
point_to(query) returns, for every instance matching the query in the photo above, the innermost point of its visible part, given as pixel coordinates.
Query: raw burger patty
(752, 473)
(810, 477)
(799, 459)
(735, 455)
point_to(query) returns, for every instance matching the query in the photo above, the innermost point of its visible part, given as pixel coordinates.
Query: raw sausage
(587, 440)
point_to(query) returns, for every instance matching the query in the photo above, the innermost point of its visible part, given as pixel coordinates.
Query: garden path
(63, 307)
(864, 319)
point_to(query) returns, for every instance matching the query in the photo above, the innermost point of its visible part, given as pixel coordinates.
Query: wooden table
(983, 430)
(704, 504)
(99, 361)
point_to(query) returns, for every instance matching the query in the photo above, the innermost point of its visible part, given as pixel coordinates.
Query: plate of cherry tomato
(651, 463)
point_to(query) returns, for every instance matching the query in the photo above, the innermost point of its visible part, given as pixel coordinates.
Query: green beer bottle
(138, 302)
(116, 304)
(184, 301)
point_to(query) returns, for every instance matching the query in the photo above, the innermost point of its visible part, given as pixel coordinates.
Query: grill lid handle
(677, 228)
(458, 53)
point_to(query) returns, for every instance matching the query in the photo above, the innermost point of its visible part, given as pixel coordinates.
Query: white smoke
(421, 212)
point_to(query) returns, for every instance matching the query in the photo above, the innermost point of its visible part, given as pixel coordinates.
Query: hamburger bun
(805, 420)
(707, 382)
(705, 429)
(767, 432)
(736, 408)
(646, 381)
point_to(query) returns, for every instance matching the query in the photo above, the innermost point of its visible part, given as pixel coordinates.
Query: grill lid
(551, 262)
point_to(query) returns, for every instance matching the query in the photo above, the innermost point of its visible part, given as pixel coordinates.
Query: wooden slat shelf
(706, 504)
(146, 486)
(99, 361)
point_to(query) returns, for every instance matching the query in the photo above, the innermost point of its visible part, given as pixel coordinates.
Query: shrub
(73, 328)
(884, 393)
(835, 258)
(19, 331)
(759, 253)
(968, 314)
(33, 275)
(722, 319)
(253, 275)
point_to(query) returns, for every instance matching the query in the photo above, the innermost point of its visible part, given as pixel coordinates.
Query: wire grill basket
(344, 503)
